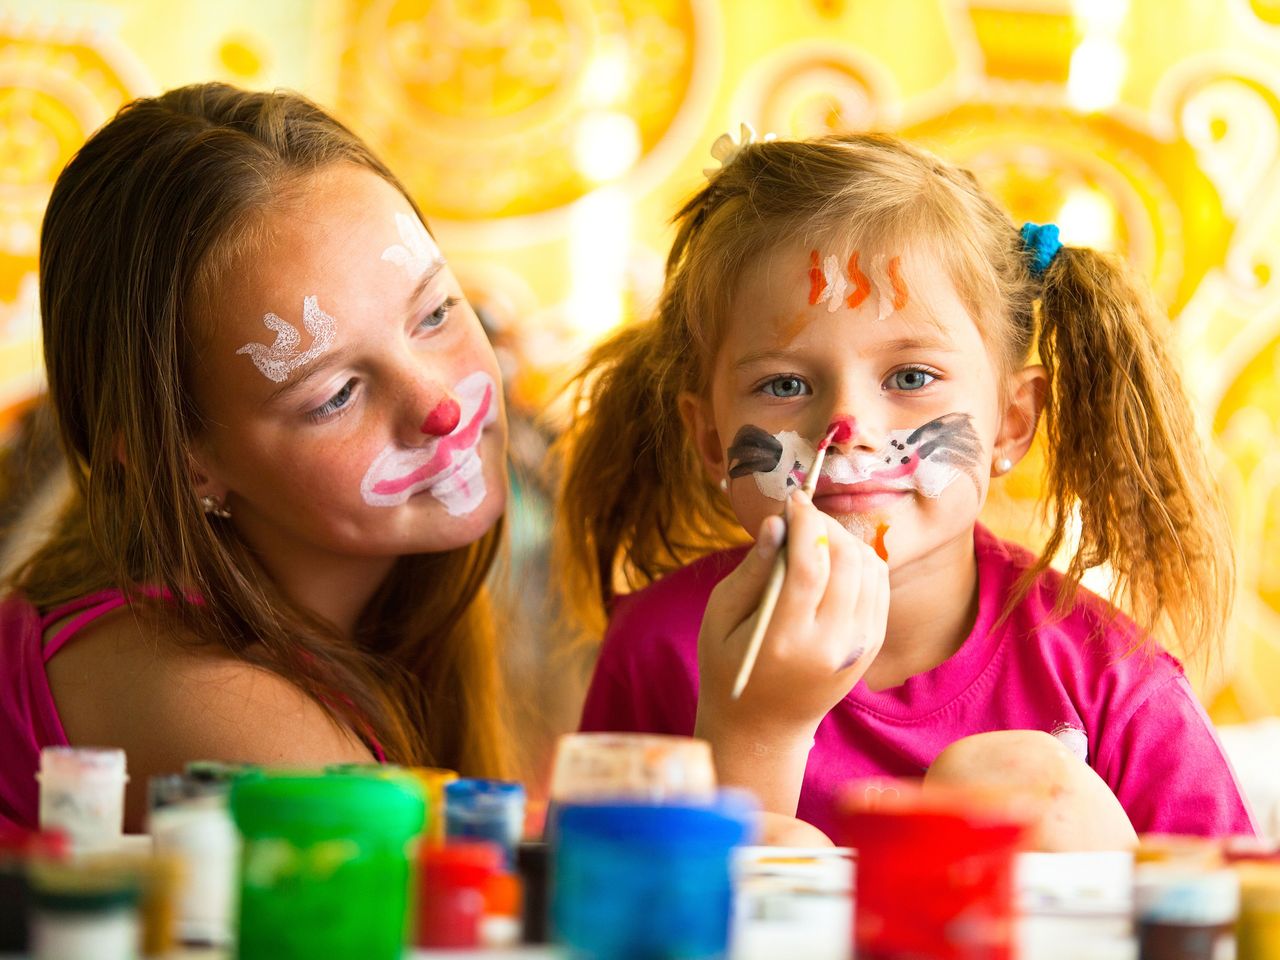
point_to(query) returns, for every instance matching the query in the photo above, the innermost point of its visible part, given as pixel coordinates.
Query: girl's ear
(698, 419)
(1023, 404)
(204, 481)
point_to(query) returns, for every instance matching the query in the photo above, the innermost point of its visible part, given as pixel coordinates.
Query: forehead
(773, 294)
(325, 238)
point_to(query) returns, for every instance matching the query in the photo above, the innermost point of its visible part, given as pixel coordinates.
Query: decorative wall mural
(549, 142)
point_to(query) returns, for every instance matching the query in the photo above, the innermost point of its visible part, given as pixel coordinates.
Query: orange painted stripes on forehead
(817, 282)
(861, 283)
(899, 284)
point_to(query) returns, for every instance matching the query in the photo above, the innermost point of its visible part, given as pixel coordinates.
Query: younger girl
(285, 432)
(860, 281)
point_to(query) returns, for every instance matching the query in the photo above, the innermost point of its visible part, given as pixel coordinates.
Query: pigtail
(634, 500)
(1122, 448)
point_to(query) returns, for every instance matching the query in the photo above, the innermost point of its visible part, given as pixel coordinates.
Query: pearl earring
(1004, 465)
(724, 484)
(212, 506)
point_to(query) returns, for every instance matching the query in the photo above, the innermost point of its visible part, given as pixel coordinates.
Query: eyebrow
(319, 365)
(338, 356)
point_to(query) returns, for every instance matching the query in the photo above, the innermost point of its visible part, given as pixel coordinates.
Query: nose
(442, 419)
(849, 433)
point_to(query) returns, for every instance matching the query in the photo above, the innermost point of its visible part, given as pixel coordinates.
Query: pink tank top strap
(87, 609)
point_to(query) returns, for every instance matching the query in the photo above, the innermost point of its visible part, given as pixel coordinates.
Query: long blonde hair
(1121, 454)
(139, 222)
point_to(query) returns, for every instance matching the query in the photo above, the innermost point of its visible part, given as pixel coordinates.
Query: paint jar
(793, 901)
(631, 766)
(82, 795)
(1258, 932)
(191, 822)
(453, 882)
(18, 848)
(326, 865)
(638, 881)
(1201, 853)
(935, 873)
(84, 911)
(1183, 913)
(433, 781)
(533, 863)
(1077, 904)
(491, 810)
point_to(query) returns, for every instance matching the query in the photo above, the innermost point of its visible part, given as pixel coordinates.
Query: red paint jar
(934, 874)
(454, 890)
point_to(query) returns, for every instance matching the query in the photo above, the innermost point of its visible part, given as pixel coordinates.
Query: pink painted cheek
(443, 419)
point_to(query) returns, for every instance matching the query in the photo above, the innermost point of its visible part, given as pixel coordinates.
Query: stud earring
(724, 484)
(1004, 465)
(212, 506)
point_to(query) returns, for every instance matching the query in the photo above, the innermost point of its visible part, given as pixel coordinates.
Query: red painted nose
(443, 419)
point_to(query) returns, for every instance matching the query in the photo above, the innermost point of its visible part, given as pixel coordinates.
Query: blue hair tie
(1042, 245)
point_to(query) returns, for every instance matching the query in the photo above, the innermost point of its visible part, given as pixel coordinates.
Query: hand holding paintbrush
(838, 432)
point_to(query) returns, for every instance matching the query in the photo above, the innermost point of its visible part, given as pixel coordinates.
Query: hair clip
(1042, 245)
(726, 149)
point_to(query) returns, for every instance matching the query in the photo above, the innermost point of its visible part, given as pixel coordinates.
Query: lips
(449, 467)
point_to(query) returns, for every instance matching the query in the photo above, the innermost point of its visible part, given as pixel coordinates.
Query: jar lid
(474, 794)
(313, 805)
(82, 762)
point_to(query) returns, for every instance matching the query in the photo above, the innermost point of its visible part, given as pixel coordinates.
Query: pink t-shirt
(1134, 719)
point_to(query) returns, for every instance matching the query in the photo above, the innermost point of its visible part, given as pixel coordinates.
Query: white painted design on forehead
(416, 252)
(280, 359)
(884, 286)
(833, 293)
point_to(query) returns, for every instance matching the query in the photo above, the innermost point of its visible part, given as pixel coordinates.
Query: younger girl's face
(878, 340)
(352, 402)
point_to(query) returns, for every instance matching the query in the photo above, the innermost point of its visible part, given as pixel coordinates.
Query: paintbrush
(838, 432)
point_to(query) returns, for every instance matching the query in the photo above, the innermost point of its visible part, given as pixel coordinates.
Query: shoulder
(1090, 625)
(133, 679)
(674, 604)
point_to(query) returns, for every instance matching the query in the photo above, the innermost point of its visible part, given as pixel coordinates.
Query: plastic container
(533, 862)
(632, 766)
(17, 848)
(82, 795)
(934, 875)
(491, 810)
(791, 901)
(326, 865)
(452, 891)
(84, 912)
(433, 781)
(1258, 932)
(636, 881)
(1185, 913)
(200, 834)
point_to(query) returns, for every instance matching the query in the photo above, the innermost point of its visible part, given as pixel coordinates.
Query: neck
(336, 591)
(932, 608)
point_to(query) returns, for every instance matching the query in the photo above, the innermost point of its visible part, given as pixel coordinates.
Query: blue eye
(786, 387)
(911, 379)
(439, 315)
(334, 403)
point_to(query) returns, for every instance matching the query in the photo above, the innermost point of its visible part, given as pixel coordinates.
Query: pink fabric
(1135, 719)
(29, 719)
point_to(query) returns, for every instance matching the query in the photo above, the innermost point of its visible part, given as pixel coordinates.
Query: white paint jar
(82, 794)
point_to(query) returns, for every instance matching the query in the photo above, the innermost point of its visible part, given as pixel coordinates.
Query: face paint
(927, 459)
(861, 283)
(448, 468)
(828, 283)
(280, 359)
(775, 460)
(416, 252)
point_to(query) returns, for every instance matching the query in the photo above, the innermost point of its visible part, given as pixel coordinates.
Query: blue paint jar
(490, 810)
(638, 881)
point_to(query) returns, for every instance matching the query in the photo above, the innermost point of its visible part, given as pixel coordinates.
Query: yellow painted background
(550, 140)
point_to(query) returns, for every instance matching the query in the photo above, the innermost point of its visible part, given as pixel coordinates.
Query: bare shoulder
(129, 680)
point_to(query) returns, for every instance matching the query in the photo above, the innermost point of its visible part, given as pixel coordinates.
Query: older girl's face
(878, 340)
(352, 401)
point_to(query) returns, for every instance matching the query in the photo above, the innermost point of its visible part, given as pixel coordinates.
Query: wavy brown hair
(1122, 453)
(138, 228)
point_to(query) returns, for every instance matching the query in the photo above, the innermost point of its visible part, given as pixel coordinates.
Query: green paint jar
(326, 865)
